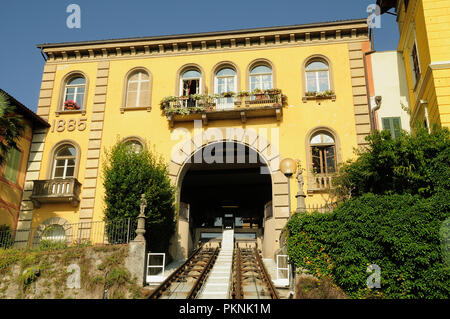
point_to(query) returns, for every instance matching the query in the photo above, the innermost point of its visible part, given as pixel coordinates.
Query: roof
(386, 5)
(203, 34)
(25, 111)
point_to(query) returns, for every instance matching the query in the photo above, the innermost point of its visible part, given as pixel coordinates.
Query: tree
(128, 174)
(417, 163)
(11, 127)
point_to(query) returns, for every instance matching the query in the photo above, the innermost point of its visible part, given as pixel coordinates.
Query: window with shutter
(393, 125)
(12, 165)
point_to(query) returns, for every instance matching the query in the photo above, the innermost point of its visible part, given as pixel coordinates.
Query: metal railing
(120, 231)
(210, 103)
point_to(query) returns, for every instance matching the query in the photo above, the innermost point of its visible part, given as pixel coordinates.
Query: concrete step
(217, 285)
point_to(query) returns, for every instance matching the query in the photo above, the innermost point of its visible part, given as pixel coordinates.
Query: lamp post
(288, 166)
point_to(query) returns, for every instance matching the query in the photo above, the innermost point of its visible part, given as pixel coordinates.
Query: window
(317, 76)
(13, 165)
(54, 233)
(134, 145)
(74, 91)
(225, 81)
(323, 153)
(415, 64)
(261, 78)
(138, 90)
(64, 162)
(393, 125)
(190, 84)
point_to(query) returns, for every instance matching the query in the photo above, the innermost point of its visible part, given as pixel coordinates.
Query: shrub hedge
(399, 233)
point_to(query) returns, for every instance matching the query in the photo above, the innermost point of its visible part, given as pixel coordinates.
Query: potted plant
(243, 94)
(228, 94)
(71, 105)
(259, 94)
(166, 101)
(273, 91)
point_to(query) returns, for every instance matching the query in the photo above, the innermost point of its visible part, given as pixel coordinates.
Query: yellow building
(95, 93)
(12, 173)
(424, 43)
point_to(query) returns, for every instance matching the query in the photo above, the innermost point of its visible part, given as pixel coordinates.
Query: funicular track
(187, 280)
(250, 277)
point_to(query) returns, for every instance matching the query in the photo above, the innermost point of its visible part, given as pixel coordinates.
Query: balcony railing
(320, 182)
(211, 107)
(56, 191)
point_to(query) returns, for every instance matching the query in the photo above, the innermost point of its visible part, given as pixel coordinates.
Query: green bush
(6, 236)
(399, 233)
(127, 175)
(417, 163)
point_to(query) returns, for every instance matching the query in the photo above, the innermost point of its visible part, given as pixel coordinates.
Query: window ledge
(82, 112)
(124, 108)
(327, 97)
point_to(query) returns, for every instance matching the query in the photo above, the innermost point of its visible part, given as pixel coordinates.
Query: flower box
(70, 105)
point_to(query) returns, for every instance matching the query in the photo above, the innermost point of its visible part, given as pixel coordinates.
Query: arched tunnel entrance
(225, 185)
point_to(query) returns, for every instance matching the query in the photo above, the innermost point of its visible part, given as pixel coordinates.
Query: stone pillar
(136, 259)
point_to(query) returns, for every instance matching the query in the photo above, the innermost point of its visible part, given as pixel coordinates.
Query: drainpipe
(372, 124)
(43, 55)
(366, 54)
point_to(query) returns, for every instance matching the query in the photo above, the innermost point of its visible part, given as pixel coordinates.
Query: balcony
(56, 191)
(241, 106)
(320, 183)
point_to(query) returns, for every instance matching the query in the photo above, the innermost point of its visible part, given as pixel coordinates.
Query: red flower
(71, 105)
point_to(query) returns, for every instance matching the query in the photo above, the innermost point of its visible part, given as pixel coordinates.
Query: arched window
(190, 82)
(134, 145)
(225, 81)
(317, 76)
(261, 78)
(64, 162)
(138, 89)
(74, 92)
(54, 233)
(323, 153)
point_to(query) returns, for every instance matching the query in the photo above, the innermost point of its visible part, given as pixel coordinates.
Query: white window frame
(191, 78)
(76, 86)
(216, 89)
(66, 159)
(316, 75)
(259, 76)
(140, 82)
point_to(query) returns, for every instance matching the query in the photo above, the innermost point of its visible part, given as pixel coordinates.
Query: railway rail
(186, 280)
(250, 279)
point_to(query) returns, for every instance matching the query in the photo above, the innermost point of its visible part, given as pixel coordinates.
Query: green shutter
(12, 165)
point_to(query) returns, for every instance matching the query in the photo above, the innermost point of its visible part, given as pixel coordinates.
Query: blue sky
(23, 24)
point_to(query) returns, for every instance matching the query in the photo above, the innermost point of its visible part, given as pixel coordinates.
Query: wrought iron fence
(119, 231)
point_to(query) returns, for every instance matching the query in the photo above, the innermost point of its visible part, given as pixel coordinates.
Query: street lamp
(288, 167)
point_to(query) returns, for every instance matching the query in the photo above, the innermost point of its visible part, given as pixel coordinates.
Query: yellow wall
(298, 117)
(11, 193)
(429, 21)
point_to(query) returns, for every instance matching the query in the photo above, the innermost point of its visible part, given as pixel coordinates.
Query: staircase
(217, 285)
